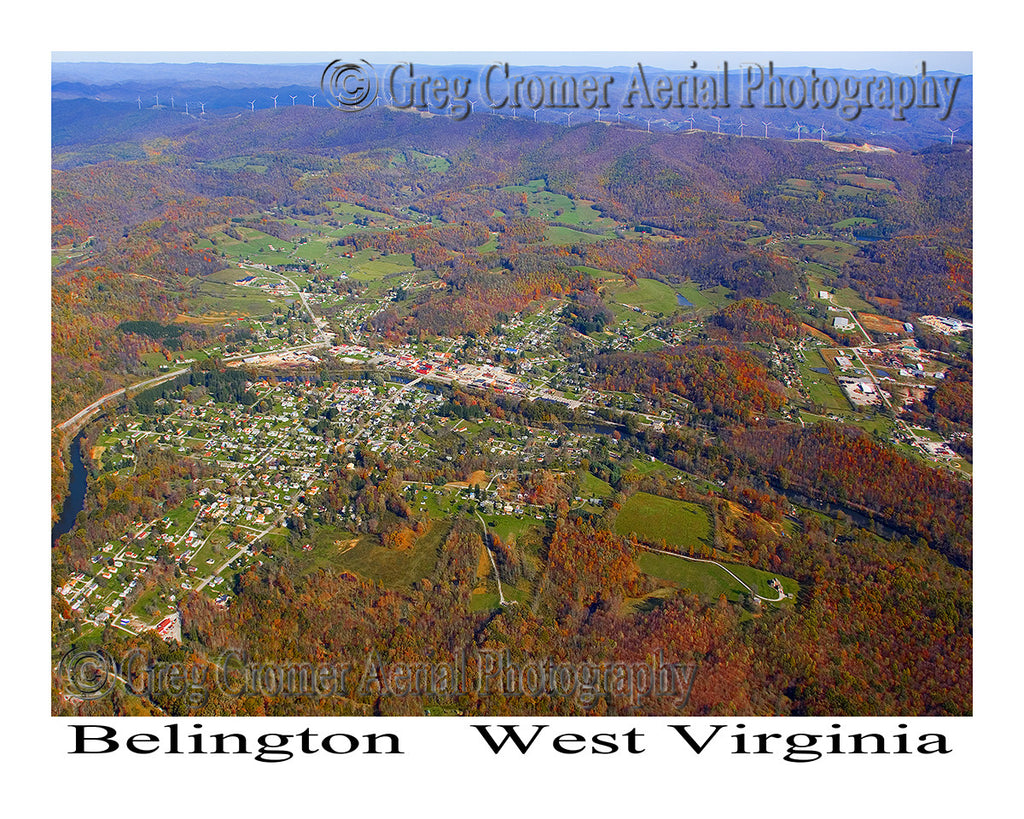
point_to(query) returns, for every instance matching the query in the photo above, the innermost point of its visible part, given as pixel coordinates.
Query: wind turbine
(690, 120)
(275, 102)
(568, 118)
(598, 114)
(157, 100)
(186, 106)
(312, 100)
(742, 126)
(765, 124)
(293, 96)
(252, 105)
(822, 130)
(534, 114)
(203, 106)
(951, 132)
(718, 120)
(648, 126)
(172, 103)
(798, 127)
(140, 103)
(618, 117)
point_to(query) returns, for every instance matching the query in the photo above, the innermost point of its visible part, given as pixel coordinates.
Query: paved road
(86, 413)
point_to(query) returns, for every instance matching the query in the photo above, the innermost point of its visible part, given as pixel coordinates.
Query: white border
(453, 772)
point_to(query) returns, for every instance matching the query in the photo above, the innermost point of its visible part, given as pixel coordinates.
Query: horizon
(899, 62)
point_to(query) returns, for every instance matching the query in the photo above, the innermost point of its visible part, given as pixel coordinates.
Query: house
(841, 323)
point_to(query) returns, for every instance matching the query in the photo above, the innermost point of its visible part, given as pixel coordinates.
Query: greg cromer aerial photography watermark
(92, 674)
(356, 85)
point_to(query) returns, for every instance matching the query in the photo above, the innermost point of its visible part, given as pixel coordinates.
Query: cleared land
(656, 520)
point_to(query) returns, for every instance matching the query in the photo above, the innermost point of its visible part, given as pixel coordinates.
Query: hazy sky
(901, 62)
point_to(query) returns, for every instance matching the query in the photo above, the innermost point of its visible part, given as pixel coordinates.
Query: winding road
(782, 595)
(83, 415)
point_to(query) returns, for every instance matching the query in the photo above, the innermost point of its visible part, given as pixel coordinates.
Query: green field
(558, 235)
(711, 581)
(226, 299)
(927, 434)
(593, 487)
(801, 188)
(870, 183)
(845, 297)
(556, 207)
(716, 297)
(326, 552)
(647, 294)
(656, 520)
(855, 221)
(827, 251)
(823, 389)
(427, 162)
(648, 465)
(507, 525)
(393, 567)
(236, 164)
(822, 273)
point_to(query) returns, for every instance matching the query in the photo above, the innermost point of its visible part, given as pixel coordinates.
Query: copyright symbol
(88, 675)
(349, 86)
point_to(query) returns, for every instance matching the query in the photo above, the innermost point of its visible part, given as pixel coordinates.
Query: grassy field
(845, 297)
(647, 294)
(593, 487)
(855, 221)
(558, 235)
(395, 568)
(556, 207)
(801, 188)
(236, 164)
(822, 273)
(596, 273)
(871, 183)
(506, 525)
(330, 546)
(827, 251)
(822, 388)
(656, 519)
(428, 162)
(716, 297)
(708, 580)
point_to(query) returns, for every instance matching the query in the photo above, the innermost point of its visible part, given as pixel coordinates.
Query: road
(83, 415)
(918, 442)
(782, 595)
(302, 297)
(853, 318)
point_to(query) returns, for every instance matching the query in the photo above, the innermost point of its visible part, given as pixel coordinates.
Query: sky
(900, 62)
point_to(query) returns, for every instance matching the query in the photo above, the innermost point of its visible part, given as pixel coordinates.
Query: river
(75, 499)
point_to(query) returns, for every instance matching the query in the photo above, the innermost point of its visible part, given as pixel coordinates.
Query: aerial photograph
(463, 385)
